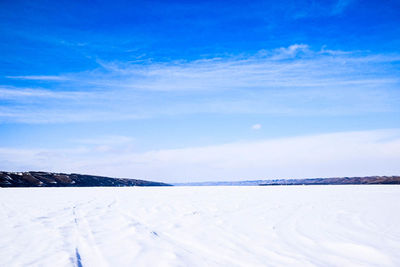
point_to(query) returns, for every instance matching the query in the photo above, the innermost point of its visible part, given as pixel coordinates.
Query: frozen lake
(201, 226)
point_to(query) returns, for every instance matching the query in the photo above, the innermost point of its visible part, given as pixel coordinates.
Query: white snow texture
(201, 226)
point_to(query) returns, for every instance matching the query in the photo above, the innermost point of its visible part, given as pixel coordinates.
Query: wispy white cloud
(293, 66)
(106, 140)
(290, 80)
(12, 92)
(256, 126)
(334, 154)
(291, 51)
(39, 77)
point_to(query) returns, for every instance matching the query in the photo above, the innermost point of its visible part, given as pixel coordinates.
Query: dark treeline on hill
(336, 181)
(308, 181)
(48, 179)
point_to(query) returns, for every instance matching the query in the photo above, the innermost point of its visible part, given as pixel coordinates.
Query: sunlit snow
(201, 226)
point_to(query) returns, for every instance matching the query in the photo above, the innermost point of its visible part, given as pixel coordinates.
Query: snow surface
(201, 226)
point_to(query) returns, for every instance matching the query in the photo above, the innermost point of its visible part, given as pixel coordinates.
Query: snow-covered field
(201, 226)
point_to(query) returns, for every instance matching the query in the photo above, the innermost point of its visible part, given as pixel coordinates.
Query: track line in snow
(78, 258)
(86, 247)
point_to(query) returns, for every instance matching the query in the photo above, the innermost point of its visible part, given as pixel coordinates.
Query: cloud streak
(289, 81)
(12, 92)
(294, 66)
(39, 77)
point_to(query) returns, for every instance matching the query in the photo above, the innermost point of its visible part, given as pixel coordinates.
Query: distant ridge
(306, 181)
(49, 179)
(337, 181)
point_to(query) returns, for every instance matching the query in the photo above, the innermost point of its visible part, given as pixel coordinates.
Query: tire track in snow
(87, 252)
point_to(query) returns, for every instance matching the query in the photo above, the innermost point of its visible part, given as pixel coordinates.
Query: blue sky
(182, 91)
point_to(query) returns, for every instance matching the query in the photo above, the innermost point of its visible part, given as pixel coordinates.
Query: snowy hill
(48, 179)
